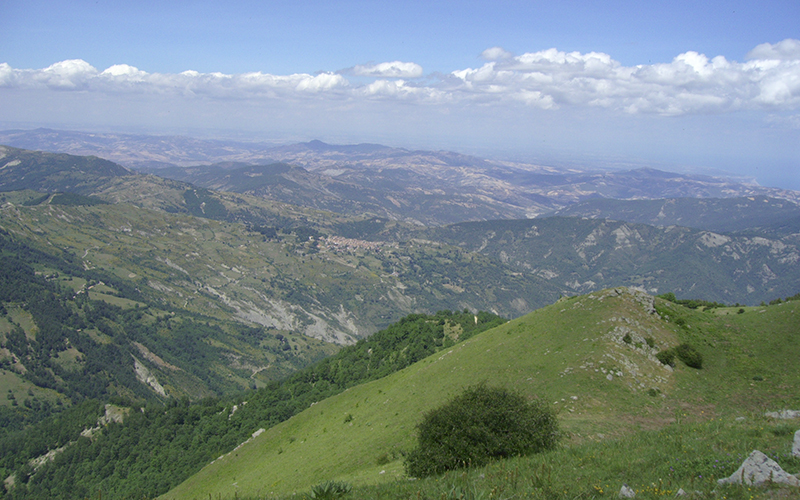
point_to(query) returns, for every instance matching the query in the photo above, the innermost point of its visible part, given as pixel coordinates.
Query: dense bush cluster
(666, 357)
(685, 352)
(689, 355)
(480, 425)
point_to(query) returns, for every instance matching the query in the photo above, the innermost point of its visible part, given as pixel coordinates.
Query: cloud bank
(394, 69)
(692, 83)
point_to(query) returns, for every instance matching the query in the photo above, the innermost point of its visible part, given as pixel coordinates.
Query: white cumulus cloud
(395, 69)
(496, 54)
(125, 70)
(692, 83)
(67, 75)
(786, 50)
(80, 75)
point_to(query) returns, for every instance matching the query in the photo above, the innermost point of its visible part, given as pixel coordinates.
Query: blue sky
(675, 85)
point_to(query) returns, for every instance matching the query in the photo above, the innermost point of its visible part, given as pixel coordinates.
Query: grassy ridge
(359, 436)
(539, 354)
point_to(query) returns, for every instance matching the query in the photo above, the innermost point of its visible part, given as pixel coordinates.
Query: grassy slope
(540, 354)
(547, 354)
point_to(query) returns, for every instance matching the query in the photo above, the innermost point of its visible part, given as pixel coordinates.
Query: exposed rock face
(796, 445)
(759, 469)
(144, 376)
(626, 492)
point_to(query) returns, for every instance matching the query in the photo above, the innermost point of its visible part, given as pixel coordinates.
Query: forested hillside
(71, 333)
(750, 214)
(586, 254)
(155, 447)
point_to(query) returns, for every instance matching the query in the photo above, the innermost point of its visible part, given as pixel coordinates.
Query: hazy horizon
(710, 88)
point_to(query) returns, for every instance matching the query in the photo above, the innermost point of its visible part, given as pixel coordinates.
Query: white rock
(783, 414)
(681, 493)
(626, 492)
(796, 445)
(759, 469)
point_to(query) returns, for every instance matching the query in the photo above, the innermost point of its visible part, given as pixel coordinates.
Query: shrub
(689, 355)
(482, 424)
(330, 489)
(667, 357)
(627, 338)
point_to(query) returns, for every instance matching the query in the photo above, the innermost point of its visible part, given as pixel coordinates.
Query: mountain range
(131, 287)
(420, 187)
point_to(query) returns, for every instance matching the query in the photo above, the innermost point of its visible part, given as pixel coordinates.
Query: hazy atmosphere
(370, 250)
(674, 85)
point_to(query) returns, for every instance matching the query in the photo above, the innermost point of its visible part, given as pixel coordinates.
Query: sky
(708, 86)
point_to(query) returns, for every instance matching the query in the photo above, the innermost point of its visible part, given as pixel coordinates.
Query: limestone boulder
(759, 469)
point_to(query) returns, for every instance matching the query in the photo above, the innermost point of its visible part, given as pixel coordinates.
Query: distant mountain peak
(316, 144)
(323, 147)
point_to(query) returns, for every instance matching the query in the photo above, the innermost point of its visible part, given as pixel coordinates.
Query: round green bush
(689, 355)
(480, 425)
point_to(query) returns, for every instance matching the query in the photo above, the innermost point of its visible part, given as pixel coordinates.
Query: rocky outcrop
(796, 445)
(783, 414)
(758, 469)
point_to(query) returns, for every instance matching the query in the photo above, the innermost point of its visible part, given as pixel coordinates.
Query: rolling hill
(741, 214)
(325, 286)
(71, 330)
(50, 172)
(587, 254)
(421, 187)
(336, 277)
